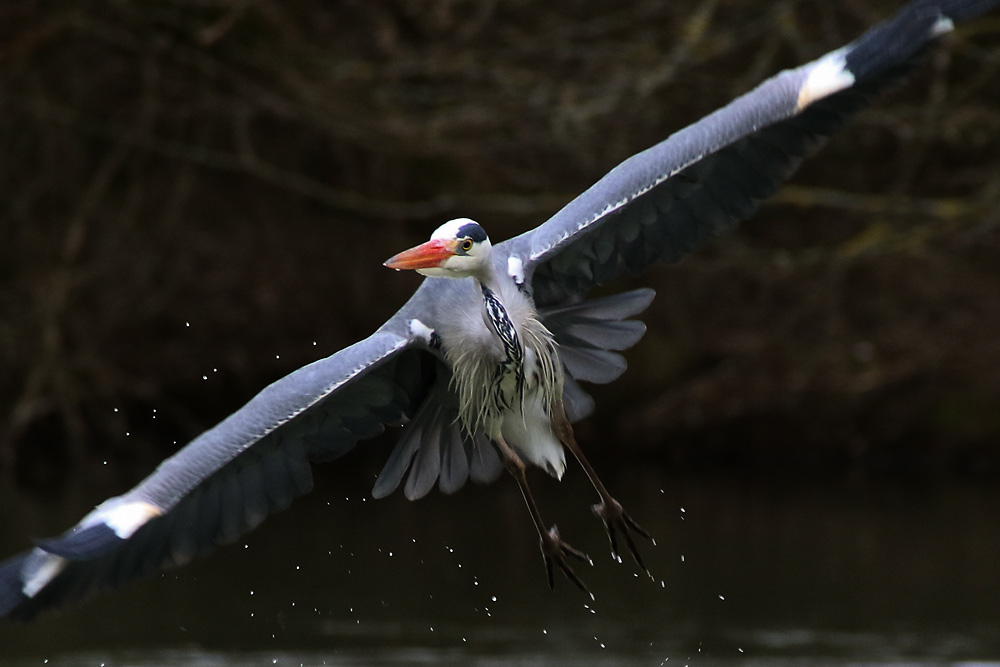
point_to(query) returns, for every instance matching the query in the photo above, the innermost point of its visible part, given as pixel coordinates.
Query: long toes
(554, 552)
(571, 575)
(630, 522)
(634, 551)
(610, 528)
(616, 520)
(576, 553)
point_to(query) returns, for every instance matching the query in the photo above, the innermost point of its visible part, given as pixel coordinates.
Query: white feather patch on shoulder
(420, 330)
(827, 76)
(515, 269)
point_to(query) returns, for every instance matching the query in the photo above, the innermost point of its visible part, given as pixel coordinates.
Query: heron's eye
(466, 245)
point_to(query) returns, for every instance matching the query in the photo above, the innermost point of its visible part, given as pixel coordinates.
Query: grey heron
(483, 363)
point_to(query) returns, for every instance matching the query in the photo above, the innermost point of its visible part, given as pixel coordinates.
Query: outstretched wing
(227, 480)
(661, 203)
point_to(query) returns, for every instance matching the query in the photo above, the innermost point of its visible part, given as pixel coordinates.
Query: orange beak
(427, 255)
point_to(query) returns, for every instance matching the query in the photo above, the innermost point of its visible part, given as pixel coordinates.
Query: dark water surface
(776, 570)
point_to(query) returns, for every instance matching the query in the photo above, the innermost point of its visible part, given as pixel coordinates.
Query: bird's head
(457, 249)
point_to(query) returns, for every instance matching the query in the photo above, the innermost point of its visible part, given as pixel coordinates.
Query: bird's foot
(616, 520)
(555, 551)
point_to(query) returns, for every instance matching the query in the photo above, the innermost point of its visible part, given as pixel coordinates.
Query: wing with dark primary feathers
(255, 462)
(662, 202)
(230, 478)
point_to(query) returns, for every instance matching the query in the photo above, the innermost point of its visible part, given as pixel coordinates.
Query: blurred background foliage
(197, 196)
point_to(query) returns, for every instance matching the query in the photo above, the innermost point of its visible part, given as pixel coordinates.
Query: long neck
(486, 276)
(499, 320)
(510, 370)
(494, 311)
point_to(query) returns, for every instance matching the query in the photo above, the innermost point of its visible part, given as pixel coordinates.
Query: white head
(457, 249)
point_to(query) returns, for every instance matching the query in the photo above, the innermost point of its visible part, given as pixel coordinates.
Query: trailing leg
(616, 519)
(554, 549)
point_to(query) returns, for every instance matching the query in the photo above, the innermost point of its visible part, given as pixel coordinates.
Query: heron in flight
(507, 375)
(482, 365)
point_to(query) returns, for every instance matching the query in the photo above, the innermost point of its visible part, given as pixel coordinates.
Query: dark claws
(616, 520)
(555, 551)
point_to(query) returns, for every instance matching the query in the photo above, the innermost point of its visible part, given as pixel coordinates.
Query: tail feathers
(577, 403)
(592, 364)
(485, 465)
(434, 448)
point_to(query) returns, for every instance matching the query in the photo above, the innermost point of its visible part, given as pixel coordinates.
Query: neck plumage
(511, 366)
(496, 314)
(499, 320)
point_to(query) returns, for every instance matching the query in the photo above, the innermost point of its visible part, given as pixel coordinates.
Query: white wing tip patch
(127, 518)
(43, 568)
(827, 76)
